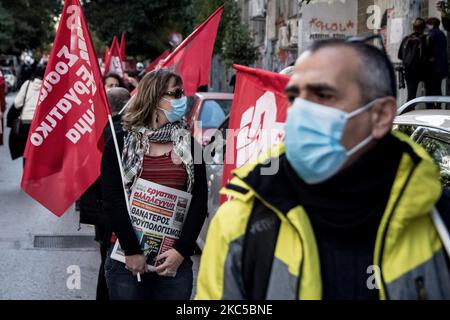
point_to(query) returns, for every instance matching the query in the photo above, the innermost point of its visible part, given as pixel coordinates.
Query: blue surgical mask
(313, 134)
(178, 109)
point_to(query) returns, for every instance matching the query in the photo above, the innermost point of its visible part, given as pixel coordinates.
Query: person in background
(90, 203)
(414, 54)
(113, 80)
(26, 70)
(438, 58)
(154, 146)
(350, 214)
(26, 100)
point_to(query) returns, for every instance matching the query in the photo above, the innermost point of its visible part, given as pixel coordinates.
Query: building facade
(283, 29)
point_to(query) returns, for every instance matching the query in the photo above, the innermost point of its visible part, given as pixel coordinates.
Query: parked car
(429, 128)
(207, 111)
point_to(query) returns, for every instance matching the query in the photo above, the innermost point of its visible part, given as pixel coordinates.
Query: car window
(6, 71)
(439, 149)
(406, 129)
(212, 114)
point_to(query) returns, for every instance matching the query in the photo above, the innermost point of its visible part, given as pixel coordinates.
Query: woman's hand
(172, 261)
(136, 264)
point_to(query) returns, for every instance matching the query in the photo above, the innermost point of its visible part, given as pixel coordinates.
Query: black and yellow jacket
(263, 224)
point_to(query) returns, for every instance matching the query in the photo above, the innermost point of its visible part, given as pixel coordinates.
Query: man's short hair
(435, 22)
(117, 98)
(376, 77)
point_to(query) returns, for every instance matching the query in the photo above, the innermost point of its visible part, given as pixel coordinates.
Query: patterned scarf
(137, 144)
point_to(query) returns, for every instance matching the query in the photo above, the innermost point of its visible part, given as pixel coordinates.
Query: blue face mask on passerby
(313, 134)
(178, 109)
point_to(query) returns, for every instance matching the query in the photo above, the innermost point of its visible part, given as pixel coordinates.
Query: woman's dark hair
(152, 88)
(419, 25)
(115, 76)
(38, 72)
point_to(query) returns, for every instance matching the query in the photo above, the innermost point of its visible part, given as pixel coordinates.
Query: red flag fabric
(123, 56)
(257, 117)
(64, 147)
(192, 58)
(106, 53)
(155, 62)
(113, 62)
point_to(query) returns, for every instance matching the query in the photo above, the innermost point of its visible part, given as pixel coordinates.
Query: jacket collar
(418, 195)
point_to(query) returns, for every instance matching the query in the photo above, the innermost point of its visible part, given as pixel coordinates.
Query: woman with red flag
(155, 146)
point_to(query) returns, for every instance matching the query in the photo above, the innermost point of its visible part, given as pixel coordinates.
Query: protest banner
(123, 56)
(257, 117)
(113, 62)
(154, 64)
(192, 58)
(157, 214)
(65, 143)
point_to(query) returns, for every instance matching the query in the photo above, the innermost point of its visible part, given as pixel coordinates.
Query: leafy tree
(27, 24)
(233, 40)
(237, 44)
(147, 23)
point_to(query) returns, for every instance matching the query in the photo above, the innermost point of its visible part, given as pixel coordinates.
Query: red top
(162, 170)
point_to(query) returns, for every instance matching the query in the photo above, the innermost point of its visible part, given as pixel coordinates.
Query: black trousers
(412, 84)
(433, 84)
(104, 238)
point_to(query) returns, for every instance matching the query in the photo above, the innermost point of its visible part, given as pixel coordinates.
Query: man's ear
(383, 115)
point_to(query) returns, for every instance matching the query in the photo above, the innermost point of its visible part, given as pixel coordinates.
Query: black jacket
(91, 211)
(115, 207)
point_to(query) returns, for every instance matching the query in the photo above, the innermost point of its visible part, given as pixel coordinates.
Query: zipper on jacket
(292, 225)
(383, 239)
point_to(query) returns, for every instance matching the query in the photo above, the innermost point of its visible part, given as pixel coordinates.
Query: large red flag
(106, 52)
(257, 117)
(192, 58)
(158, 60)
(113, 62)
(123, 56)
(64, 147)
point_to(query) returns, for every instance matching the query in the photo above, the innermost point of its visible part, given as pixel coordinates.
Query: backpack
(413, 53)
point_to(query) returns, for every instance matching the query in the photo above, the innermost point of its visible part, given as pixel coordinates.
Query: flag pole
(127, 104)
(119, 160)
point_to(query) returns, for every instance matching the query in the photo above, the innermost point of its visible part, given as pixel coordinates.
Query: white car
(430, 128)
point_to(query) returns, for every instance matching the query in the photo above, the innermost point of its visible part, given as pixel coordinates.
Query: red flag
(155, 62)
(64, 147)
(257, 117)
(123, 56)
(113, 62)
(106, 52)
(192, 58)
